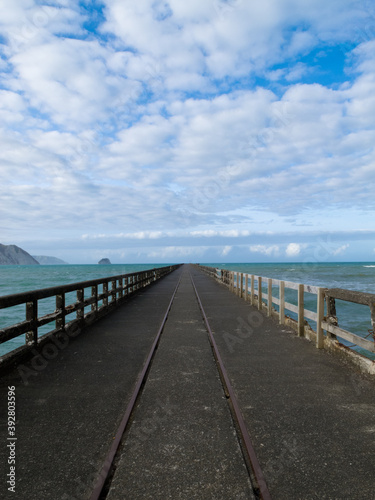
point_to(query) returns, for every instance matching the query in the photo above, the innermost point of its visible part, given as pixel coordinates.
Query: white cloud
(69, 80)
(141, 235)
(340, 250)
(293, 249)
(220, 39)
(11, 101)
(266, 250)
(175, 252)
(226, 250)
(297, 72)
(229, 233)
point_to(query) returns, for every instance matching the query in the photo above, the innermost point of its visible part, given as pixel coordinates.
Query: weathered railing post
(252, 292)
(372, 311)
(269, 312)
(331, 314)
(113, 292)
(80, 305)
(301, 311)
(260, 293)
(241, 286)
(94, 294)
(320, 314)
(282, 303)
(105, 293)
(246, 287)
(31, 336)
(60, 306)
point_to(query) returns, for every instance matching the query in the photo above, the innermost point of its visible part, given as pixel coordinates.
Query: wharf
(311, 417)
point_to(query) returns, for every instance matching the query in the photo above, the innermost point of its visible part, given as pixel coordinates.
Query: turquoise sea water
(353, 276)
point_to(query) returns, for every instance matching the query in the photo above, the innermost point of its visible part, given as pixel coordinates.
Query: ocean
(358, 276)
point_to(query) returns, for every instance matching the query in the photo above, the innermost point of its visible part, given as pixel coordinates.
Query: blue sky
(214, 131)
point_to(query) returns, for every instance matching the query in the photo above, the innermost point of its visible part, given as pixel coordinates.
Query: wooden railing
(211, 271)
(251, 288)
(99, 295)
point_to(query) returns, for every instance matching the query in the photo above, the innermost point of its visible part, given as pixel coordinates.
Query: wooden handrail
(328, 322)
(115, 290)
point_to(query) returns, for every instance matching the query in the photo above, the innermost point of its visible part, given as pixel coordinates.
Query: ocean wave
(368, 266)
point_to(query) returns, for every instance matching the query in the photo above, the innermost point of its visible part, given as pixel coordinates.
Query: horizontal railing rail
(251, 288)
(211, 271)
(104, 294)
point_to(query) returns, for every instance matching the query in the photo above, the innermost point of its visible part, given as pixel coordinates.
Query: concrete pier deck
(311, 417)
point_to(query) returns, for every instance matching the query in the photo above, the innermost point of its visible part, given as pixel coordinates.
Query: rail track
(256, 476)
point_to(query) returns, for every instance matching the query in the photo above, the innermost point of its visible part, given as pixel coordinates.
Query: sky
(156, 131)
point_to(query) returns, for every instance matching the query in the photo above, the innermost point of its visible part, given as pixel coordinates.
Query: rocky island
(104, 262)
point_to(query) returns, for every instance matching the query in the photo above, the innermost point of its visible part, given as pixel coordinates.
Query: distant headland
(14, 255)
(11, 254)
(49, 261)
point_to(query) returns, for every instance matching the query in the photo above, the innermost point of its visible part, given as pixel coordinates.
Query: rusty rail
(107, 466)
(251, 458)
